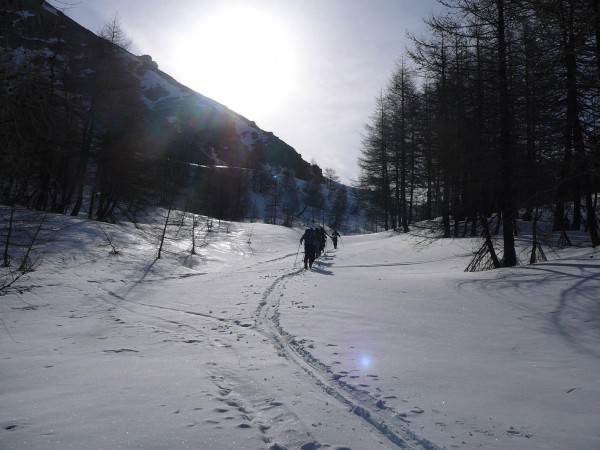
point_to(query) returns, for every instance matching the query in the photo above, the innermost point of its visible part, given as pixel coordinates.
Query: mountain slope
(94, 88)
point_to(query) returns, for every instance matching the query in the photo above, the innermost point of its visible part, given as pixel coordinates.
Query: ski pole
(297, 254)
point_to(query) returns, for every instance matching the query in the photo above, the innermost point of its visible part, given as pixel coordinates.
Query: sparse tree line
(70, 128)
(494, 113)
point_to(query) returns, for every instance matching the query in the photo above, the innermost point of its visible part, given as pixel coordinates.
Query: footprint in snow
(220, 410)
(311, 446)
(121, 350)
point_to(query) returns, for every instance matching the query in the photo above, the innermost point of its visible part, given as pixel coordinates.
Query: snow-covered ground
(386, 344)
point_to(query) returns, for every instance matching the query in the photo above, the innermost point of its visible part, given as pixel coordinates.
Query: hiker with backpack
(311, 246)
(318, 241)
(334, 238)
(322, 237)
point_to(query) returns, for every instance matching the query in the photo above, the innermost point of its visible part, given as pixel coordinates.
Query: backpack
(310, 239)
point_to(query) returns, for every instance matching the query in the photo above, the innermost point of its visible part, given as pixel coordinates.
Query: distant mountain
(36, 32)
(86, 127)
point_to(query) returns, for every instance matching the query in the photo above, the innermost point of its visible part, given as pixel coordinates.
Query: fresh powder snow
(387, 343)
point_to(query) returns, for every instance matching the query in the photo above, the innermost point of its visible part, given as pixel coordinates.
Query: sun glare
(241, 57)
(365, 361)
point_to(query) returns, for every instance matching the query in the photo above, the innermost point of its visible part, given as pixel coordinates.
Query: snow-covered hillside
(387, 343)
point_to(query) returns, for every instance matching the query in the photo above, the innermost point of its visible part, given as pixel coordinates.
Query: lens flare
(365, 361)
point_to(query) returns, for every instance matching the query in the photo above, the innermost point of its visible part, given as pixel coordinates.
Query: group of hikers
(314, 243)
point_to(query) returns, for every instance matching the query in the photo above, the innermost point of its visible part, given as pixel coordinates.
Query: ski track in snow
(360, 402)
(233, 392)
(240, 401)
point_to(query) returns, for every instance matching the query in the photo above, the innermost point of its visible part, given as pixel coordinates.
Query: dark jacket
(309, 238)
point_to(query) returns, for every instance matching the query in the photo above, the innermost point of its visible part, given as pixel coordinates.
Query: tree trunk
(489, 242)
(507, 158)
(582, 179)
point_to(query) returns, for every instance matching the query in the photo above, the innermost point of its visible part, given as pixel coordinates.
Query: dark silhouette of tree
(331, 178)
(504, 120)
(373, 162)
(113, 32)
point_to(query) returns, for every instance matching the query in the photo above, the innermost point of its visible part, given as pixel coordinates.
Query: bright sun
(241, 57)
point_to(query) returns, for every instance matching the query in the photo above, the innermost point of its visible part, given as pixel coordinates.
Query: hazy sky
(307, 70)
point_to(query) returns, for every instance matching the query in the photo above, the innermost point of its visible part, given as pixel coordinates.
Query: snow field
(386, 343)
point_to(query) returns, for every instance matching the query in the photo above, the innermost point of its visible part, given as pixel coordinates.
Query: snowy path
(358, 402)
(253, 375)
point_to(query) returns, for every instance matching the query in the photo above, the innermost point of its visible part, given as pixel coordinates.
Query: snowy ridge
(151, 81)
(172, 91)
(51, 9)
